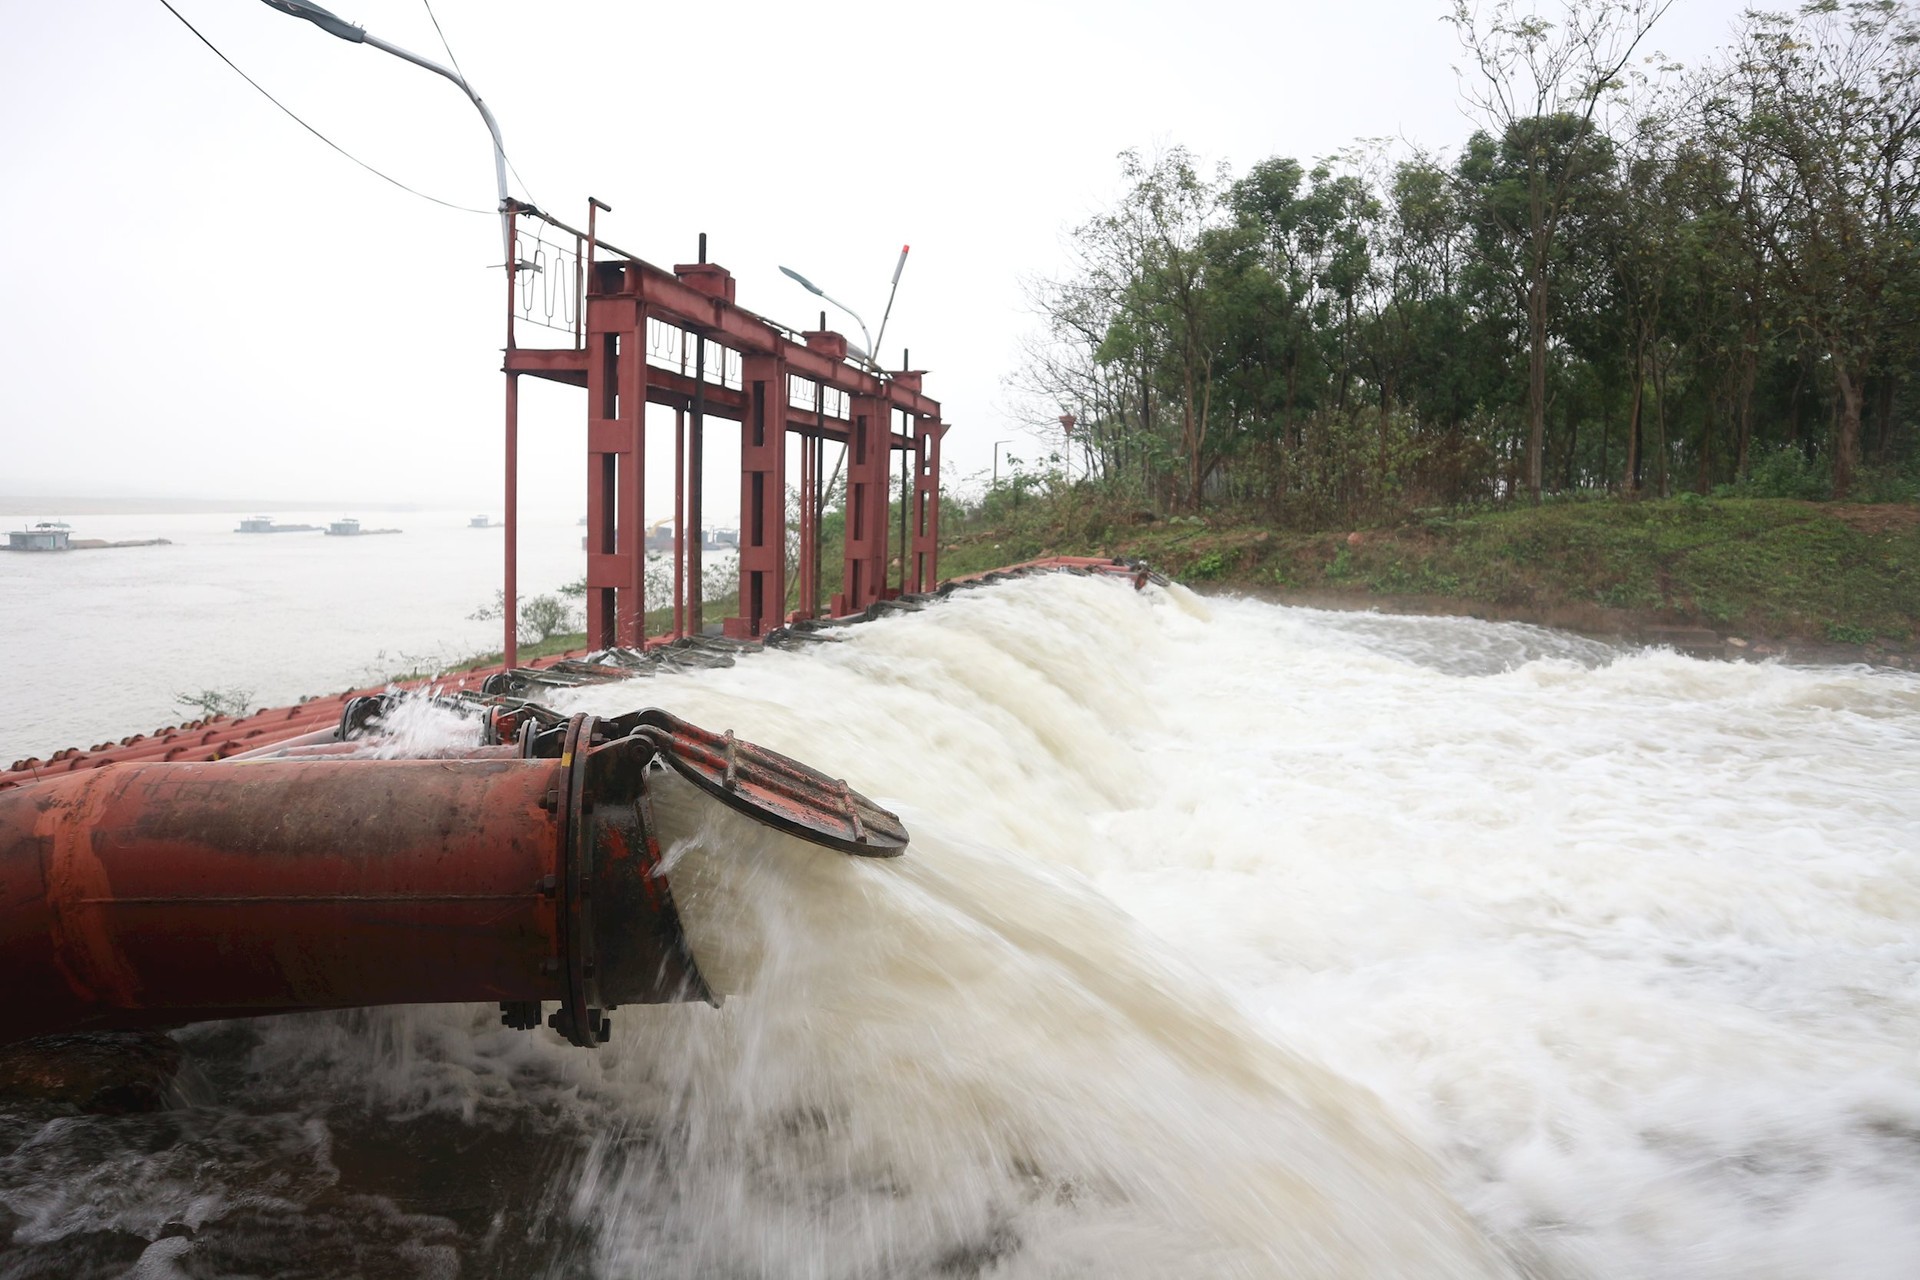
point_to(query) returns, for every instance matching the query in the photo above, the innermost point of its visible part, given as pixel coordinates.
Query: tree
(1538, 88)
(541, 616)
(1170, 318)
(1823, 111)
(1719, 264)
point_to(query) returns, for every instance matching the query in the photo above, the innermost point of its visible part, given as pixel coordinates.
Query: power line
(443, 39)
(524, 184)
(315, 132)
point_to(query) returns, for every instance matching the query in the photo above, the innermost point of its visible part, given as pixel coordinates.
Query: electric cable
(434, 18)
(315, 132)
(524, 184)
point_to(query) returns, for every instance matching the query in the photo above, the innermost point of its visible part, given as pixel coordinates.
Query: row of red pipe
(310, 875)
(219, 737)
(155, 894)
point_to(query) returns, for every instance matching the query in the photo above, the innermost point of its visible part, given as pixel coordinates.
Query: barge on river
(265, 524)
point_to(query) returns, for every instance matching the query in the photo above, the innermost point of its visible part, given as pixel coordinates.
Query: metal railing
(551, 266)
(671, 347)
(549, 277)
(805, 393)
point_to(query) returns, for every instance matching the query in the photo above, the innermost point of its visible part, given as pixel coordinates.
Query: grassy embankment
(1776, 573)
(658, 621)
(1768, 571)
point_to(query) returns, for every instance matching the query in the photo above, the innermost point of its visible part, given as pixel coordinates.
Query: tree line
(1631, 277)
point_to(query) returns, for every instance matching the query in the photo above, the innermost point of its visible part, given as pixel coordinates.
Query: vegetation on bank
(1842, 573)
(1629, 277)
(1639, 353)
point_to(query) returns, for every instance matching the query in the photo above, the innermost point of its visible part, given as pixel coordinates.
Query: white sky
(203, 300)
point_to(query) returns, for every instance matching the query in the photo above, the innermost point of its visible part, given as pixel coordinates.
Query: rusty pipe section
(155, 894)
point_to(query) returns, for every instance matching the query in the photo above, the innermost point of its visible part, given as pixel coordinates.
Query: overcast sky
(204, 300)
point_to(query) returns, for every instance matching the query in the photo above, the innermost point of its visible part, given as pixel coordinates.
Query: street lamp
(818, 292)
(337, 26)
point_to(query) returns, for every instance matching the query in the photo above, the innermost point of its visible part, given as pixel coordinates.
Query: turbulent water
(1234, 940)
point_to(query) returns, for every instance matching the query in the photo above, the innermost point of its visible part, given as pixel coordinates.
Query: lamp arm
(493, 126)
(856, 319)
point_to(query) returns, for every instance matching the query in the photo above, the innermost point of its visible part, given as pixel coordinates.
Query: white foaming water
(1233, 940)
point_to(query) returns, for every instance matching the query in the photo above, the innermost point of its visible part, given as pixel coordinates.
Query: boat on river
(265, 524)
(48, 535)
(348, 527)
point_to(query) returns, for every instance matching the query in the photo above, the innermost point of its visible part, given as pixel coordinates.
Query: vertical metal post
(866, 505)
(763, 508)
(906, 500)
(819, 519)
(803, 583)
(812, 505)
(820, 486)
(616, 409)
(696, 482)
(585, 267)
(679, 523)
(631, 625)
(579, 290)
(926, 503)
(509, 576)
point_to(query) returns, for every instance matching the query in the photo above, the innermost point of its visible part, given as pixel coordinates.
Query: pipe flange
(575, 1019)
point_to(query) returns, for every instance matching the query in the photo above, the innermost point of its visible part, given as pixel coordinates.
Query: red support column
(679, 523)
(716, 282)
(925, 574)
(814, 604)
(763, 498)
(868, 450)
(809, 525)
(510, 574)
(616, 468)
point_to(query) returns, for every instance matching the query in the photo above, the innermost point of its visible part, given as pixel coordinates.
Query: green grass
(1773, 566)
(1768, 566)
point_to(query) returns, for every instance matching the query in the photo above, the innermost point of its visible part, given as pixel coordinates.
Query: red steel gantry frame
(713, 359)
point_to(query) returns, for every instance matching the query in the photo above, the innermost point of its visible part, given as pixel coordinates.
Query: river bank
(1821, 582)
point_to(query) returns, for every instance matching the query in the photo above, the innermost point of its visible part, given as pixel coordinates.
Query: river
(113, 638)
(1234, 940)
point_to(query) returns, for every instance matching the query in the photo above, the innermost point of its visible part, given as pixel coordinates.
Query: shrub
(1783, 473)
(540, 616)
(217, 702)
(1207, 567)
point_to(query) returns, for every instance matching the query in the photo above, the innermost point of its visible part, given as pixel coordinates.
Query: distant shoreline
(68, 505)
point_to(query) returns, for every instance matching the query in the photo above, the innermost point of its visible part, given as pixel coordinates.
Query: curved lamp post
(337, 26)
(996, 461)
(334, 25)
(818, 292)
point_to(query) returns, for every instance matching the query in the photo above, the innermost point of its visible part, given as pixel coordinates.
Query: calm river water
(110, 638)
(1234, 940)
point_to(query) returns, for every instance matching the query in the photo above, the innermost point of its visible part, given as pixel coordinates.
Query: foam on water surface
(1233, 940)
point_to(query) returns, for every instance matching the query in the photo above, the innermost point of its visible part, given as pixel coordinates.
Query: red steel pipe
(159, 894)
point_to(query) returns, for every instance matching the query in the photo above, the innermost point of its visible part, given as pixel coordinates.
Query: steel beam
(925, 536)
(763, 498)
(616, 471)
(865, 574)
(673, 300)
